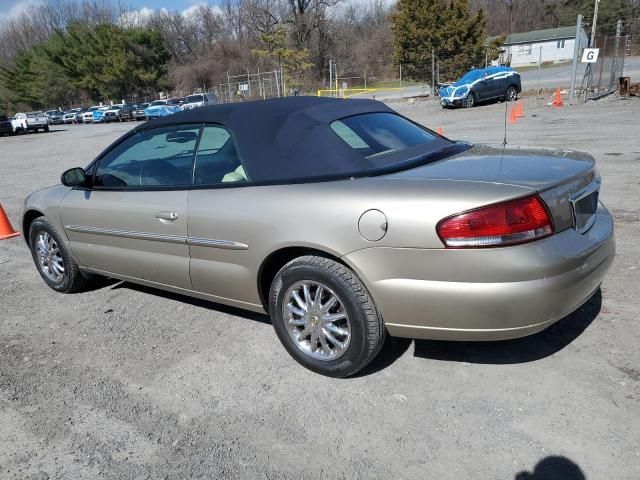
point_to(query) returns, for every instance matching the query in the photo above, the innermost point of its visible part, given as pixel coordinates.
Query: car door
(221, 258)
(132, 222)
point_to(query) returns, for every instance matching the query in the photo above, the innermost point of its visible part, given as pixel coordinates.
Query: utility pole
(594, 23)
(401, 96)
(539, 69)
(576, 53)
(433, 71)
(330, 74)
(365, 77)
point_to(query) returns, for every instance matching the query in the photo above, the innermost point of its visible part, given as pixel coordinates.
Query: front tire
(325, 317)
(469, 101)
(56, 267)
(511, 95)
(46, 129)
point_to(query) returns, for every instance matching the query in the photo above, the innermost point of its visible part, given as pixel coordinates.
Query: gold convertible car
(342, 219)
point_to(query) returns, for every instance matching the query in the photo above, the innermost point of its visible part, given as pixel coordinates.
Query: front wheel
(56, 267)
(511, 95)
(470, 100)
(46, 128)
(325, 317)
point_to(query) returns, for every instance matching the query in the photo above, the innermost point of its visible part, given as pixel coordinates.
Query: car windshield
(32, 115)
(469, 77)
(375, 134)
(144, 105)
(52, 112)
(157, 102)
(194, 99)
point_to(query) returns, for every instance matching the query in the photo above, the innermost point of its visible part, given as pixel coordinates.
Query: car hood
(454, 93)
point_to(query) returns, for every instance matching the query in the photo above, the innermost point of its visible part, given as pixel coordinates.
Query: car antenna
(506, 114)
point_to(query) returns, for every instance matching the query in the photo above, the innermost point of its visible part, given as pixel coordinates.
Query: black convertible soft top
(288, 138)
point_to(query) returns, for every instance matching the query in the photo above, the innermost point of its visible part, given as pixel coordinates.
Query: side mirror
(74, 177)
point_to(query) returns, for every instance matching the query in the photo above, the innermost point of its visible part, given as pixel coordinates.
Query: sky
(10, 8)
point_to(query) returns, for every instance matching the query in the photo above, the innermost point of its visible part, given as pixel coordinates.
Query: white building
(540, 46)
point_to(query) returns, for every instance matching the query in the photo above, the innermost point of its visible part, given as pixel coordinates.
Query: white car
(87, 117)
(31, 121)
(199, 100)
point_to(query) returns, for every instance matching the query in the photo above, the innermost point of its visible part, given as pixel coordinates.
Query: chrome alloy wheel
(511, 95)
(50, 257)
(316, 320)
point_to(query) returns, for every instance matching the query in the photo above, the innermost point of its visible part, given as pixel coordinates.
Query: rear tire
(54, 263)
(46, 129)
(336, 348)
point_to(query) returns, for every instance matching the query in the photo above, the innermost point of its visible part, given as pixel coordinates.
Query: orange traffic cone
(557, 101)
(512, 115)
(439, 131)
(520, 110)
(6, 230)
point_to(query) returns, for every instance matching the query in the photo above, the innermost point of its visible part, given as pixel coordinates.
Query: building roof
(546, 35)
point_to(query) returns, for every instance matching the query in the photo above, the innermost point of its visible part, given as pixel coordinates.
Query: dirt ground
(126, 382)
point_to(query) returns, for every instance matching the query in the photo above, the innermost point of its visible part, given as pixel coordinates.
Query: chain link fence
(602, 78)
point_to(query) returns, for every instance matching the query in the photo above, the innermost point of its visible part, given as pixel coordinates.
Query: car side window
(217, 161)
(158, 157)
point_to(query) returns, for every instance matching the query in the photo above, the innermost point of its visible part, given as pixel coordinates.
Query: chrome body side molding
(196, 241)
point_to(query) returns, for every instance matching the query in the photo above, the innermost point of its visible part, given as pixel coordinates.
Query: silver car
(341, 219)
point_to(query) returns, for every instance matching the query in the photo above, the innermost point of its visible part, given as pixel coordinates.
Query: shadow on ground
(521, 350)
(238, 312)
(553, 468)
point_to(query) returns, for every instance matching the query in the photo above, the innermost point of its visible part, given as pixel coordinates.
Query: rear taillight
(500, 224)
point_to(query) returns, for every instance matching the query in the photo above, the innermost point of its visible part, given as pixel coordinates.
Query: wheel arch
(27, 219)
(277, 259)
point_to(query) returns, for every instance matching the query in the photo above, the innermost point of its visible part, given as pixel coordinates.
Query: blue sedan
(157, 111)
(480, 85)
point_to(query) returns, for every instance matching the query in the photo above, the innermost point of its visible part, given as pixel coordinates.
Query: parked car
(138, 113)
(481, 85)
(340, 218)
(54, 117)
(98, 114)
(72, 116)
(199, 100)
(87, 116)
(127, 112)
(5, 125)
(30, 122)
(156, 111)
(112, 114)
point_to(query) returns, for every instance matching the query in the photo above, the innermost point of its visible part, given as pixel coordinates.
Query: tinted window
(3, 118)
(194, 99)
(217, 160)
(160, 157)
(379, 133)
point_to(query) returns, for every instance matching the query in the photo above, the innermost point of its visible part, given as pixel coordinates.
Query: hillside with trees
(71, 52)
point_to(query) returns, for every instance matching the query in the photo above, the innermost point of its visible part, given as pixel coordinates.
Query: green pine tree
(445, 26)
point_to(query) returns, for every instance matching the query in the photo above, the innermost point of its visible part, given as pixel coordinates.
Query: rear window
(194, 99)
(374, 134)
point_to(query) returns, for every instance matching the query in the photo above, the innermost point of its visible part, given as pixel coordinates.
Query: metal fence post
(576, 53)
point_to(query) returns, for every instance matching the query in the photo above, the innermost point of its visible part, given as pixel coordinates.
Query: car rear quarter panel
(322, 216)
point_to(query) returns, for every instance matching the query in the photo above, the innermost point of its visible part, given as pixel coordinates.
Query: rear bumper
(486, 294)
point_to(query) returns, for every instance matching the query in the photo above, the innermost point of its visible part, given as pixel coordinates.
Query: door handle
(166, 216)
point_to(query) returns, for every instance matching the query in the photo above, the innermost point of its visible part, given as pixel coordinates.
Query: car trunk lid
(566, 180)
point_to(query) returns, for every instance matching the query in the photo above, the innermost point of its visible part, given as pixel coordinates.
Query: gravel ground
(128, 382)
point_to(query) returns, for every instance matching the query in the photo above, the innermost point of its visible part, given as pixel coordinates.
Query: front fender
(45, 202)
